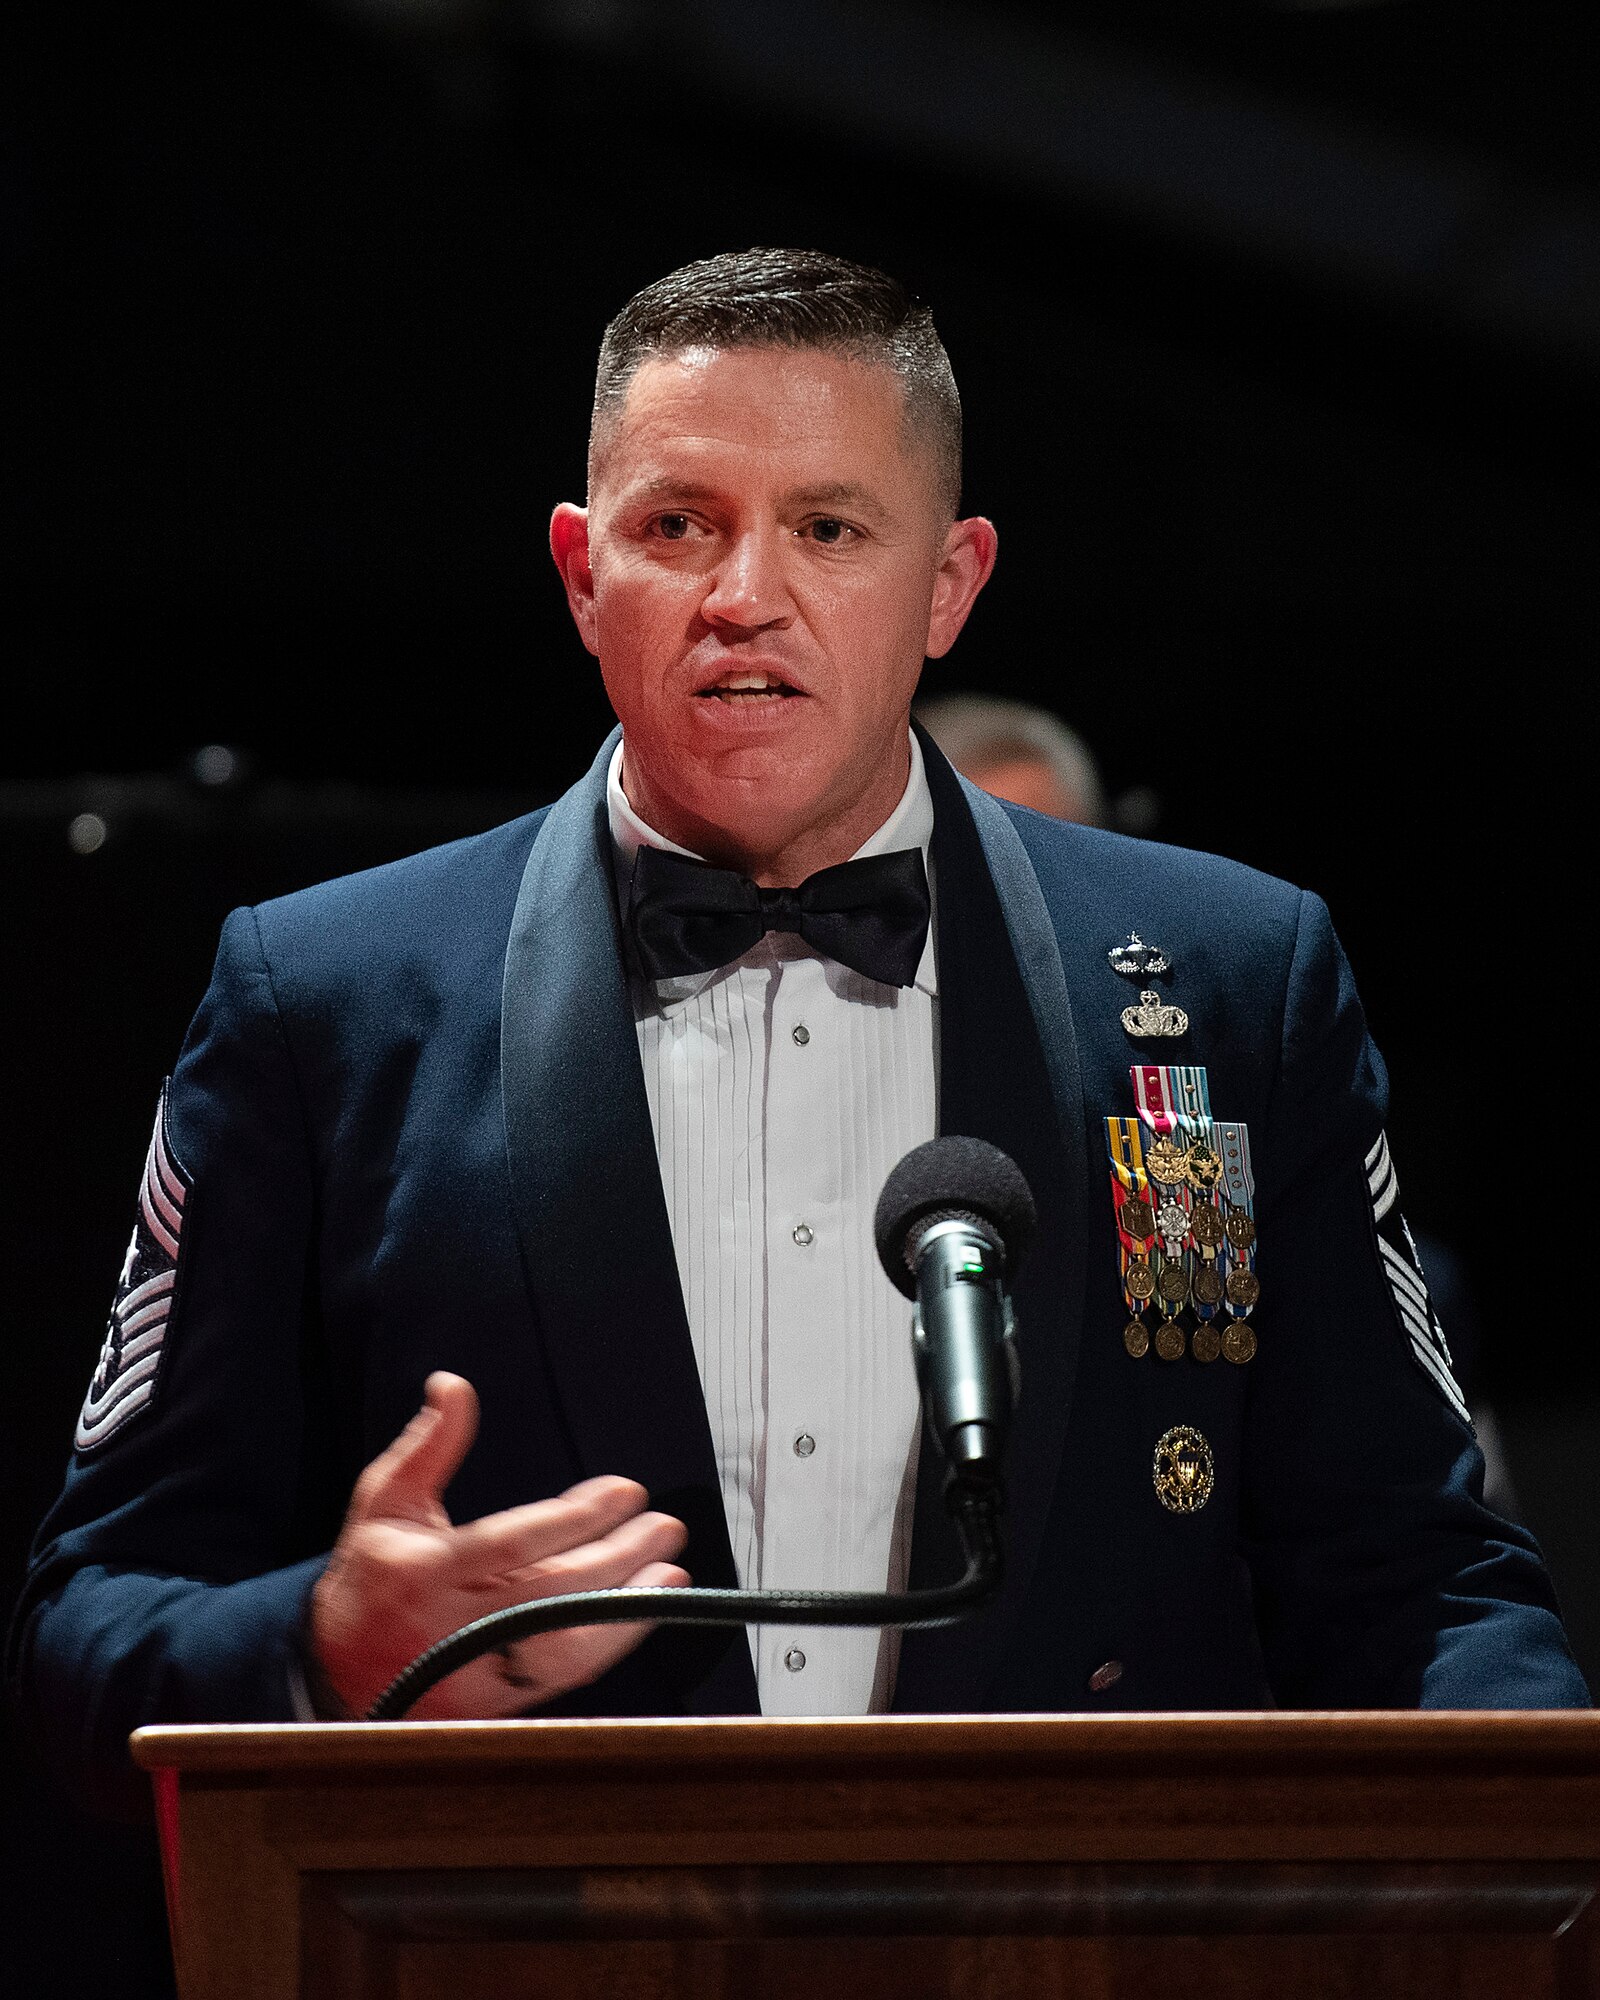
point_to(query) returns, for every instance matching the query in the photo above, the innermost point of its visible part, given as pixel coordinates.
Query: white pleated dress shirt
(782, 1090)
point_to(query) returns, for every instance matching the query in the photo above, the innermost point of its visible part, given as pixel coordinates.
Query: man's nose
(750, 586)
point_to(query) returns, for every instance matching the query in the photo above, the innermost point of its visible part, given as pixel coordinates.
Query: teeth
(747, 683)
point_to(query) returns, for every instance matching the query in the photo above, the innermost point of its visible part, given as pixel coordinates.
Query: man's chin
(758, 775)
(754, 816)
(786, 800)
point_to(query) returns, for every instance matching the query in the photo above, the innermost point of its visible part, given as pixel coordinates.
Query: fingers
(407, 1479)
(587, 1512)
(595, 1536)
(604, 1564)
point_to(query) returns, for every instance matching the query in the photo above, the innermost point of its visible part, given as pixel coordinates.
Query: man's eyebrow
(665, 487)
(847, 495)
(839, 493)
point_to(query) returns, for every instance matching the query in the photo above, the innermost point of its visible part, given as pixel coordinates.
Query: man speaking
(571, 1134)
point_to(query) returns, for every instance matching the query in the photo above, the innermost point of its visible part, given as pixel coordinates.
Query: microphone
(952, 1220)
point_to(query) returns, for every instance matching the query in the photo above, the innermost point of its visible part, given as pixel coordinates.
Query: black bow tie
(685, 916)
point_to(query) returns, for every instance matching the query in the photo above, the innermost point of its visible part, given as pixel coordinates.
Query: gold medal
(1166, 1160)
(1169, 1340)
(1184, 1470)
(1136, 1339)
(1241, 1229)
(1205, 1225)
(1139, 1281)
(1136, 1218)
(1172, 1285)
(1206, 1343)
(1207, 1285)
(1244, 1288)
(1204, 1168)
(1239, 1343)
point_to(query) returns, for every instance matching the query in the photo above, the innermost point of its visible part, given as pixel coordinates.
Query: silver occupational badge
(1138, 960)
(1154, 1017)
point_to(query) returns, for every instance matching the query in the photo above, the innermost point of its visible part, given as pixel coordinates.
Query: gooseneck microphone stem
(974, 1505)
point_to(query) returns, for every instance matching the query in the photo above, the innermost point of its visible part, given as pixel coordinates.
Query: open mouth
(742, 690)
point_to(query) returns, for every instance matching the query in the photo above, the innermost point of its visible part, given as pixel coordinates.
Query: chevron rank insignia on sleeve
(1402, 1269)
(130, 1356)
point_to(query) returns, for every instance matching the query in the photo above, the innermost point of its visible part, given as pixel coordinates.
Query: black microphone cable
(974, 1505)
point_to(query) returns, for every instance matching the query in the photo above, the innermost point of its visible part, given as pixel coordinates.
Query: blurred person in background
(1018, 752)
(1021, 752)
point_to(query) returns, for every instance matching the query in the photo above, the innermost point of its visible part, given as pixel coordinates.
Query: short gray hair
(974, 729)
(797, 299)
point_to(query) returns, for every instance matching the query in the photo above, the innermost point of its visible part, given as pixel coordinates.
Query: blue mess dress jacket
(408, 1130)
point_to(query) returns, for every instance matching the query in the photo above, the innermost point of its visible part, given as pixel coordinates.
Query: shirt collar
(909, 825)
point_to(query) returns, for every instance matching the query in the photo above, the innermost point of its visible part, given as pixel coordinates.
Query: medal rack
(1183, 1194)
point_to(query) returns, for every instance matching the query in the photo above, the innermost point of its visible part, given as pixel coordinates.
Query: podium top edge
(1568, 1738)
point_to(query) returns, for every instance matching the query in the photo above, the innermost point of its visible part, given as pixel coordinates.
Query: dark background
(1279, 335)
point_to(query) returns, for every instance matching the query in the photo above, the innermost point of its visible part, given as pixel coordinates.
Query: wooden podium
(898, 1859)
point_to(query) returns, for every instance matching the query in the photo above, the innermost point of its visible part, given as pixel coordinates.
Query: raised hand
(402, 1575)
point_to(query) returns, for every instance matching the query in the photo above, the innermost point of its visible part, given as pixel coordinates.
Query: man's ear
(569, 544)
(964, 568)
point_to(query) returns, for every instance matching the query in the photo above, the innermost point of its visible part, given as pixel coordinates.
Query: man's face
(762, 567)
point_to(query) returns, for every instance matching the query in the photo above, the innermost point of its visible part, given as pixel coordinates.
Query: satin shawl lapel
(1008, 1073)
(592, 1221)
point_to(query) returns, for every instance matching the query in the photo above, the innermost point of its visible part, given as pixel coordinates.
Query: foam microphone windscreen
(951, 1176)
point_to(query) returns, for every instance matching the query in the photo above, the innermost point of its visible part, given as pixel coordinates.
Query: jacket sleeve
(1381, 1579)
(169, 1582)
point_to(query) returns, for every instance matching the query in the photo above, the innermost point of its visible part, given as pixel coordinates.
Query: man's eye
(829, 531)
(672, 527)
